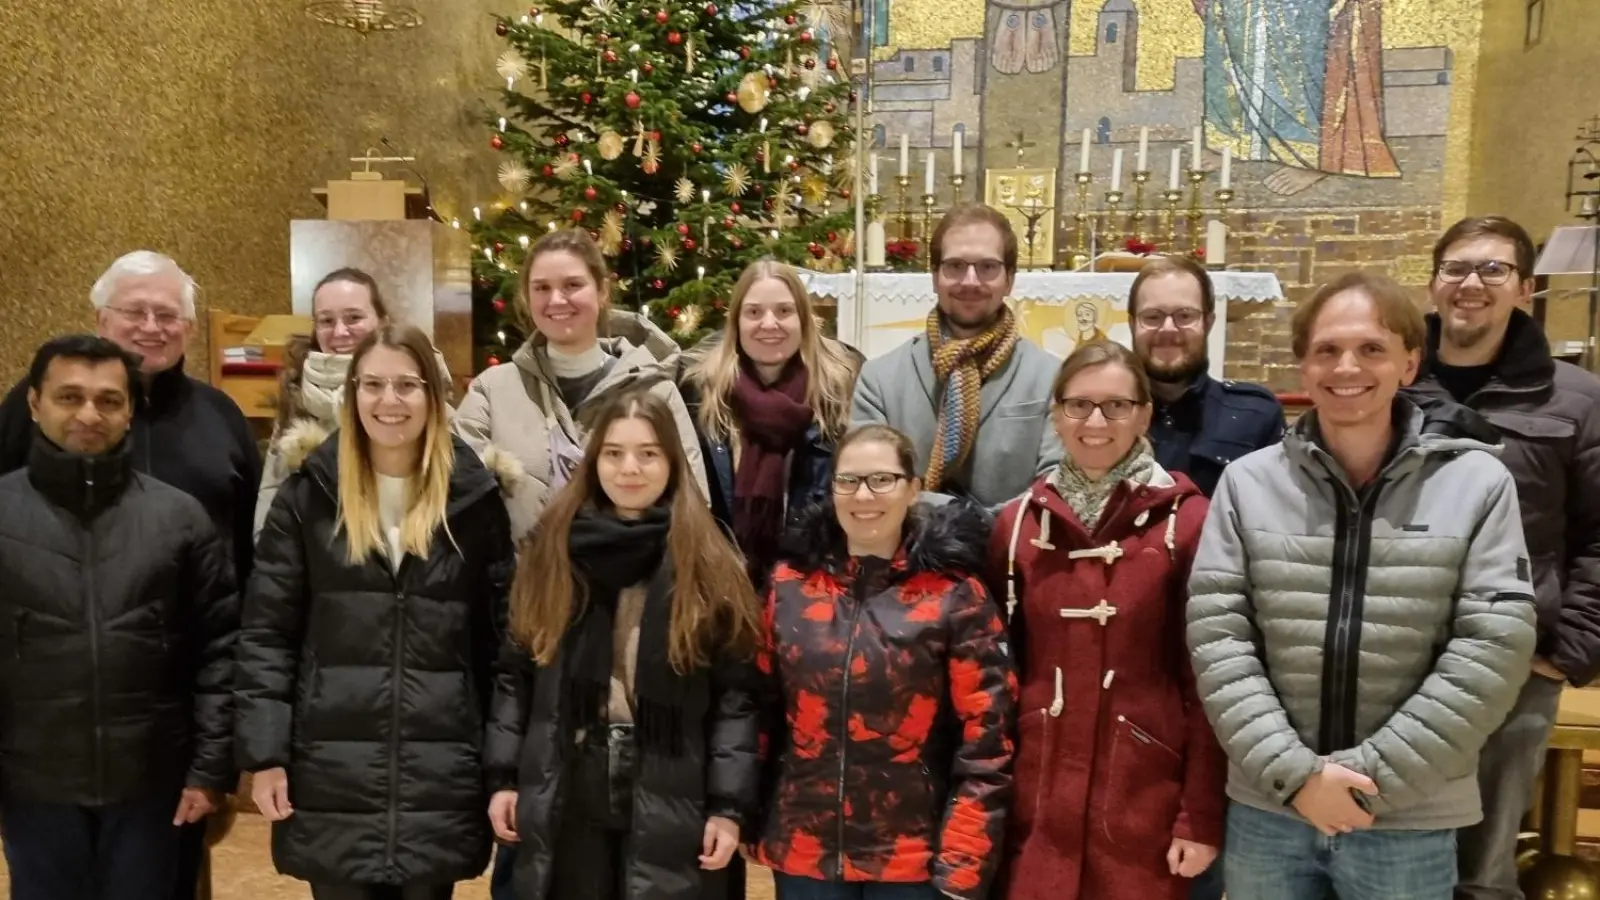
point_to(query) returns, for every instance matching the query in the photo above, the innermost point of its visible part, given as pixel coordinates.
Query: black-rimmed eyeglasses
(876, 482)
(1493, 272)
(1082, 408)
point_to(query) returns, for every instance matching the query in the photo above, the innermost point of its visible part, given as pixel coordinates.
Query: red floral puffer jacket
(894, 696)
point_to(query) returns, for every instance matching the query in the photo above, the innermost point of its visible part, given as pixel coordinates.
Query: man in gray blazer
(970, 392)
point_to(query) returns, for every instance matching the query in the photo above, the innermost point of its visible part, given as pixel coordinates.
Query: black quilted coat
(372, 687)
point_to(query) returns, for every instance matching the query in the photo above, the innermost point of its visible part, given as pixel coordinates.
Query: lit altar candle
(1227, 167)
(927, 180)
(1116, 169)
(1083, 153)
(872, 174)
(905, 156)
(1198, 146)
(1144, 149)
(1175, 176)
(957, 160)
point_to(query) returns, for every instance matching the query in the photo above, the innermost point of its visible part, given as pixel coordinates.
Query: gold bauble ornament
(753, 92)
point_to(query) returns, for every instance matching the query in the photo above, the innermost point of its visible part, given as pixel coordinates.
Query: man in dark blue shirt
(1199, 424)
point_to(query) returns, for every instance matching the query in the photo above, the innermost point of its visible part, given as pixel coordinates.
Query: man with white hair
(188, 434)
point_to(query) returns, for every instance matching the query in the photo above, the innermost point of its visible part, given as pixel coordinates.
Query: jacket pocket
(1531, 426)
(1143, 789)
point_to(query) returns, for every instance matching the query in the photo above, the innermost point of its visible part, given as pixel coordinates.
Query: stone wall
(1306, 248)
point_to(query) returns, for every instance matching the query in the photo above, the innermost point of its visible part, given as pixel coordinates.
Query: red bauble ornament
(586, 97)
(655, 136)
(499, 247)
(674, 38)
(645, 240)
(718, 305)
(811, 63)
(499, 304)
(711, 9)
(675, 312)
(695, 147)
(496, 143)
(627, 244)
(772, 81)
(610, 56)
(789, 19)
(647, 68)
(833, 62)
(572, 156)
(683, 228)
(688, 244)
(794, 164)
(731, 97)
(817, 252)
(761, 156)
(604, 38)
(621, 208)
(767, 204)
(727, 221)
(661, 17)
(533, 11)
(833, 237)
(562, 140)
(589, 193)
(802, 129)
(632, 100)
(737, 244)
(829, 107)
(814, 246)
(844, 193)
(805, 36)
(548, 171)
(744, 52)
(501, 29)
(493, 360)
(658, 284)
(734, 207)
(577, 215)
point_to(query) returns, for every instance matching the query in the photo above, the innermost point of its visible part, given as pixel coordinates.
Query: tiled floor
(242, 870)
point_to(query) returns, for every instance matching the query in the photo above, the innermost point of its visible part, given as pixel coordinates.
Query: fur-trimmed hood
(300, 443)
(950, 538)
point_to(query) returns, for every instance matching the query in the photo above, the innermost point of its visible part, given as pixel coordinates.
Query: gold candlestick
(956, 181)
(1080, 219)
(904, 183)
(1113, 233)
(1197, 177)
(1174, 198)
(1136, 219)
(927, 226)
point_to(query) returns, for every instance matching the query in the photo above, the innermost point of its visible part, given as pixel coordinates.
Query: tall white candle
(1144, 149)
(905, 156)
(956, 162)
(1116, 169)
(1198, 146)
(927, 180)
(872, 174)
(1227, 167)
(1083, 153)
(1174, 177)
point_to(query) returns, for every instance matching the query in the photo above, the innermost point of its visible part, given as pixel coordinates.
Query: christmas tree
(690, 140)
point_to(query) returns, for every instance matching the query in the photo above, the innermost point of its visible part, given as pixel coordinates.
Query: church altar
(1056, 310)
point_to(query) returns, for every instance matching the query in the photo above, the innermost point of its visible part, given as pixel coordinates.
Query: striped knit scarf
(961, 365)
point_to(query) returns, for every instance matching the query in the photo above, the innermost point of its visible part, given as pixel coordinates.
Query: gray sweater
(1387, 630)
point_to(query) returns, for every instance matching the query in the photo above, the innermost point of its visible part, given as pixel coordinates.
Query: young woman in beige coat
(540, 405)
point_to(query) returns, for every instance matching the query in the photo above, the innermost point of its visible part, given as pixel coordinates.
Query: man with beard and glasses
(971, 392)
(1199, 424)
(1485, 352)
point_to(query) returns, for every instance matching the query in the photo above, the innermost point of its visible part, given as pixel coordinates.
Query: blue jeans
(1272, 856)
(1208, 884)
(124, 851)
(792, 887)
(505, 858)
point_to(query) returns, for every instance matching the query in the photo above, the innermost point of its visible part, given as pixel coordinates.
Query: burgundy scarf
(773, 420)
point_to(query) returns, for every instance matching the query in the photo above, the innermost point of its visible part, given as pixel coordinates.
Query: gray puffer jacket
(1387, 629)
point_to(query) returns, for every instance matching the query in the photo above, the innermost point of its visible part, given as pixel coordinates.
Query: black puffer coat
(371, 687)
(117, 621)
(717, 774)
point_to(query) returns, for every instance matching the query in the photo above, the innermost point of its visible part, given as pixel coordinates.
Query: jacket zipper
(397, 682)
(93, 609)
(1338, 727)
(857, 601)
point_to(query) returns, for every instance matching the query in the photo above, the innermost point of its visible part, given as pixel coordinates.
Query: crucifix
(368, 159)
(1101, 612)
(1020, 144)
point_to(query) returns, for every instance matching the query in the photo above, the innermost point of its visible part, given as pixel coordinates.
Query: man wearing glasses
(1199, 424)
(1485, 352)
(971, 392)
(186, 433)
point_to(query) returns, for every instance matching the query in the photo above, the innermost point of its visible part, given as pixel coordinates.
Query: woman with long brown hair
(770, 396)
(623, 739)
(368, 638)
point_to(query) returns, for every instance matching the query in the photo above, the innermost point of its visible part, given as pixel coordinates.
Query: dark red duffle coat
(1114, 755)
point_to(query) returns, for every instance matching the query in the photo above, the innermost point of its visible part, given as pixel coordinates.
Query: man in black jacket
(120, 615)
(1484, 352)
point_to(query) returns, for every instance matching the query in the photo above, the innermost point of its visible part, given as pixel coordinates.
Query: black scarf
(612, 554)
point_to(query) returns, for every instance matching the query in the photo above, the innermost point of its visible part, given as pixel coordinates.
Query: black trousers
(382, 892)
(124, 851)
(191, 857)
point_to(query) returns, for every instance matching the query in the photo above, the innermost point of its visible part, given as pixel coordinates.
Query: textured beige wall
(198, 128)
(1530, 103)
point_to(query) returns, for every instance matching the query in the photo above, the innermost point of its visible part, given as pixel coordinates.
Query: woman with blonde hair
(542, 404)
(769, 396)
(368, 638)
(624, 737)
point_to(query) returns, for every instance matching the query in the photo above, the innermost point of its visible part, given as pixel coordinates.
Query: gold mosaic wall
(198, 129)
(1531, 100)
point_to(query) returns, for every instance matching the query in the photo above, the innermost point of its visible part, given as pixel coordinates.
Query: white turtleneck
(391, 512)
(575, 365)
